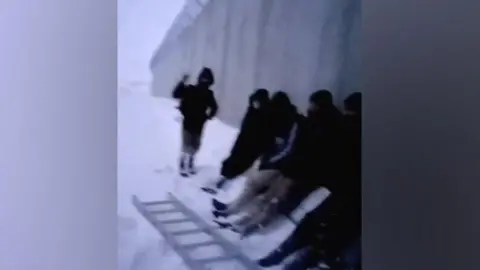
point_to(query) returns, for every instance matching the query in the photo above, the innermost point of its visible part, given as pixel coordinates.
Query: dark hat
(321, 98)
(280, 104)
(207, 75)
(280, 99)
(353, 102)
(260, 95)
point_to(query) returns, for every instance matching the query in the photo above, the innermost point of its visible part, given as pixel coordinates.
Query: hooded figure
(317, 155)
(252, 126)
(197, 105)
(344, 227)
(352, 146)
(251, 139)
(314, 161)
(283, 129)
(341, 214)
(250, 142)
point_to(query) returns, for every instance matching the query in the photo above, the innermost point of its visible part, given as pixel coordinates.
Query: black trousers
(329, 229)
(308, 230)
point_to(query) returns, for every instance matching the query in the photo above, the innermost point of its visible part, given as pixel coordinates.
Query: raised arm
(179, 90)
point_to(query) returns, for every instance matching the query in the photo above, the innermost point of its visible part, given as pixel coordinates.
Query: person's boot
(275, 257)
(191, 165)
(182, 167)
(219, 206)
(220, 214)
(306, 259)
(220, 209)
(221, 182)
(214, 187)
(288, 247)
(250, 229)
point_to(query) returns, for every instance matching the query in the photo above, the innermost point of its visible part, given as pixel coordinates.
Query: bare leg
(277, 190)
(258, 219)
(252, 186)
(254, 208)
(266, 207)
(186, 152)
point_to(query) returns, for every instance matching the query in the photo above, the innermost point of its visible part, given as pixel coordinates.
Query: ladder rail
(226, 245)
(166, 235)
(231, 252)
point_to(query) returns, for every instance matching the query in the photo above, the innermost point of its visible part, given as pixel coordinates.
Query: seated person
(269, 178)
(327, 231)
(250, 143)
(313, 161)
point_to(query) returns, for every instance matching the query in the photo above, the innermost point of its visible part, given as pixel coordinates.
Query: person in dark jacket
(283, 129)
(250, 142)
(345, 227)
(267, 186)
(328, 229)
(197, 105)
(313, 163)
(338, 243)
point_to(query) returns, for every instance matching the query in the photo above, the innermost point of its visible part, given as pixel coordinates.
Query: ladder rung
(231, 252)
(158, 202)
(173, 221)
(201, 244)
(216, 259)
(169, 211)
(184, 232)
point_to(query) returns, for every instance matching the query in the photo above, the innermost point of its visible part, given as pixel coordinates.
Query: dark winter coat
(349, 185)
(315, 161)
(345, 197)
(197, 104)
(251, 140)
(284, 126)
(337, 219)
(350, 193)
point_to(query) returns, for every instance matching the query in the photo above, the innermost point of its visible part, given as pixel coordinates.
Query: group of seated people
(286, 156)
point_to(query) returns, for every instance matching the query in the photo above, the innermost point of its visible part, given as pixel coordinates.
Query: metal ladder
(231, 252)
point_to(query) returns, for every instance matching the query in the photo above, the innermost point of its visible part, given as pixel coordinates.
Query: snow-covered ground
(148, 149)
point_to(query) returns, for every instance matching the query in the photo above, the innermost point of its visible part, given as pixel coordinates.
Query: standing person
(197, 105)
(250, 141)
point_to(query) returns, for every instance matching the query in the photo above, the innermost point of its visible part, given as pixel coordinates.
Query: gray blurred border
(58, 135)
(421, 138)
(58, 147)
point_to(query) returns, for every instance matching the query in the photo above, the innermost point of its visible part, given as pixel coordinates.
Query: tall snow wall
(297, 46)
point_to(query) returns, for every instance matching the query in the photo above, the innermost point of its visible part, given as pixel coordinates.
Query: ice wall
(296, 46)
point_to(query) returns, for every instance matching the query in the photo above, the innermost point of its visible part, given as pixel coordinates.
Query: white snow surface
(148, 152)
